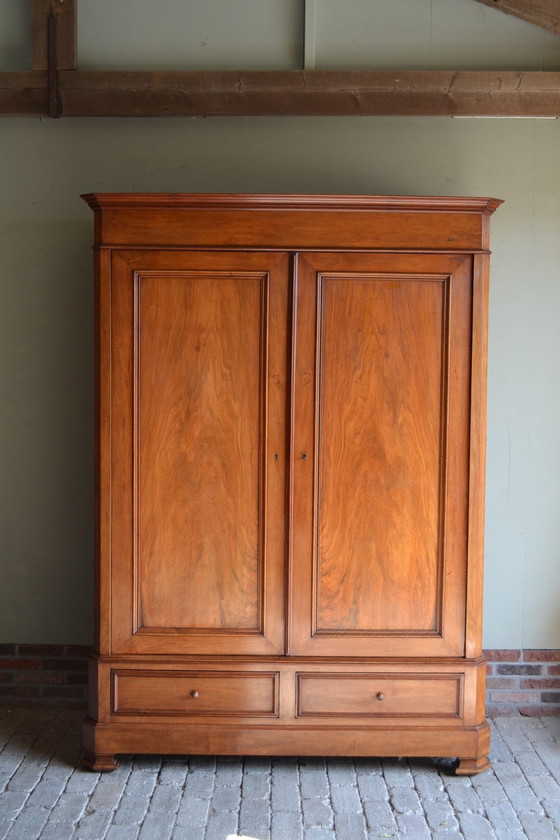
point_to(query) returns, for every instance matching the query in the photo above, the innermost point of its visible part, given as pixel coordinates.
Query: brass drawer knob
(194, 694)
(380, 695)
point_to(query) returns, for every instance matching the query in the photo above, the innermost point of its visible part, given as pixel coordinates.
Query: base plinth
(100, 763)
(472, 766)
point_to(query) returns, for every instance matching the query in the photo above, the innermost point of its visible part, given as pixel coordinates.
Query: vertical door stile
(316, 484)
(444, 445)
(302, 584)
(275, 474)
(135, 450)
(263, 447)
(289, 455)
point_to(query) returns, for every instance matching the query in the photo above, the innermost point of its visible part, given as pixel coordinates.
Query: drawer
(195, 693)
(379, 695)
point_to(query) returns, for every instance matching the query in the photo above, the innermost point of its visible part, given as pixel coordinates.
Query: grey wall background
(46, 338)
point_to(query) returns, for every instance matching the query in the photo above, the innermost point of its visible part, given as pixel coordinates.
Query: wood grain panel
(200, 419)
(381, 390)
(354, 227)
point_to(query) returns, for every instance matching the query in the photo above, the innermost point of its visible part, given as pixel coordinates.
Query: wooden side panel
(103, 341)
(198, 396)
(475, 573)
(380, 478)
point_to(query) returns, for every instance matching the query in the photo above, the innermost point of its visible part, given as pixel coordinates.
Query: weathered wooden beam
(279, 93)
(543, 13)
(66, 14)
(315, 92)
(24, 94)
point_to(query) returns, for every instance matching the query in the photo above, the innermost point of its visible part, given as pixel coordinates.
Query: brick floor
(46, 795)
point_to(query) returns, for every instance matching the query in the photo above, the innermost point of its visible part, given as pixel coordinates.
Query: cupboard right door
(380, 454)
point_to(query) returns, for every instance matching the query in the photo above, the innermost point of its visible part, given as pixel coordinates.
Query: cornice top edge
(269, 201)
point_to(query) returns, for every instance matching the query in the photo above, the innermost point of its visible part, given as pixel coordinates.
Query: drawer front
(379, 695)
(195, 693)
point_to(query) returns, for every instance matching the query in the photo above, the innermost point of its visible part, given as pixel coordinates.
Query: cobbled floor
(46, 795)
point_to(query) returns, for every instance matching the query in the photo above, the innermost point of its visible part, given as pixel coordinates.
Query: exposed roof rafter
(284, 93)
(54, 87)
(543, 13)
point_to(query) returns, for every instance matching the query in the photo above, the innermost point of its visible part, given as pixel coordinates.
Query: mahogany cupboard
(290, 464)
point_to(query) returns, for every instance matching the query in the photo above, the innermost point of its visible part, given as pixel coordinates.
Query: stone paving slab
(46, 795)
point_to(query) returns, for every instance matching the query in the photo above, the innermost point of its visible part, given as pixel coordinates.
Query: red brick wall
(518, 681)
(43, 675)
(525, 681)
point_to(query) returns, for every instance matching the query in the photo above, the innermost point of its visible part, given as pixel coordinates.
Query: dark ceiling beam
(543, 13)
(24, 94)
(284, 93)
(54, 87)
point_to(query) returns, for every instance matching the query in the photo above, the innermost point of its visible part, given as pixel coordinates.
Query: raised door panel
(198, 384)
(381, 452)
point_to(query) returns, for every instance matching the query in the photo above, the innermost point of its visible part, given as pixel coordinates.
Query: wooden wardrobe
(290, 476)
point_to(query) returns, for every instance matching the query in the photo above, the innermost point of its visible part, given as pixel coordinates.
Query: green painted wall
(46, 375)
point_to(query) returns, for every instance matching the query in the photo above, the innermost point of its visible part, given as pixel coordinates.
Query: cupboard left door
(193, 364)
